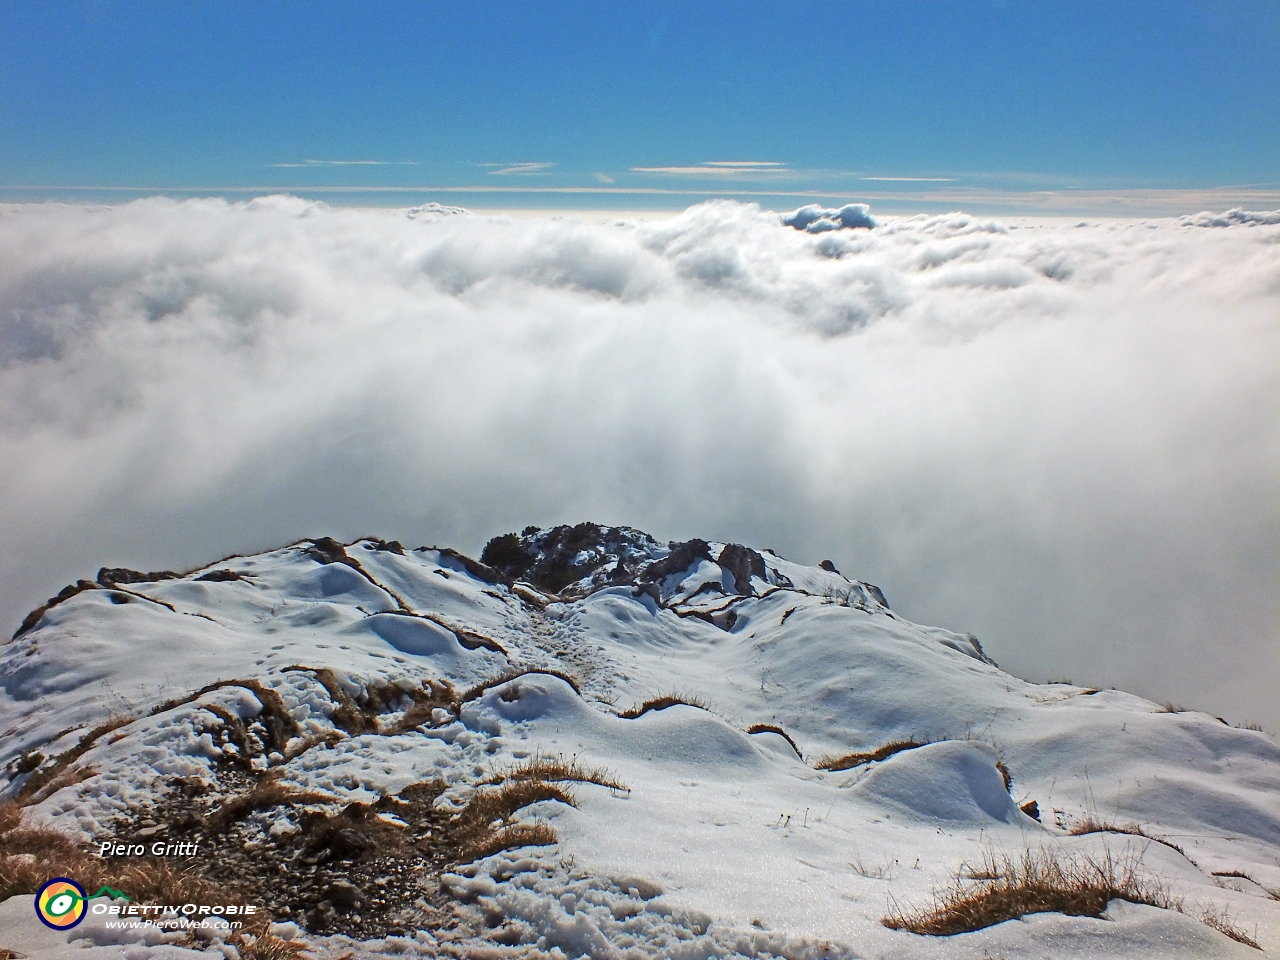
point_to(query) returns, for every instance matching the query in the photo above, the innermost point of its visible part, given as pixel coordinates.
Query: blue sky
(526, 99)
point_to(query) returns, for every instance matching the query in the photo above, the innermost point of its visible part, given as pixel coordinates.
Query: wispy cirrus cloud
(721, 168)
(347, 163)
(518, 169)
(911, 179)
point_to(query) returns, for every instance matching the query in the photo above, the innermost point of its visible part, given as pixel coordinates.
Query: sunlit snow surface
(727, 843)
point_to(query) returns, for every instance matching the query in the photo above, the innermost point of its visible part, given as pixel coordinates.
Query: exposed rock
(744, 563)
(65, 594)
(328, 550)
(344, 895)
(221, 576)
(481, 571)
(681, 558)
(876, 595)
(573, 560)
(110, 576)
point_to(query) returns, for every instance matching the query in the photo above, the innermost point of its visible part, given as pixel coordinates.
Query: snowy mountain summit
(591, 743)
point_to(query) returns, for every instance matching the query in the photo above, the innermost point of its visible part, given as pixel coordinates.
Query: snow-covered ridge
(827, 755)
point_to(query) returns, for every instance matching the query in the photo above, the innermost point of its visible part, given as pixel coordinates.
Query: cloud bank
(1063, 439)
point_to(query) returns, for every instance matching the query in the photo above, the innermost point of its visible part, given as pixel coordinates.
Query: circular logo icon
(60, 903)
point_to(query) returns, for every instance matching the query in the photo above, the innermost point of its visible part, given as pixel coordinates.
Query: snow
(726, 843)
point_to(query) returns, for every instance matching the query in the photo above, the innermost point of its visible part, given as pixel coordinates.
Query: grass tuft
(851, 760)
(1004, 888)
(1093, 824)
(556, 769)
(1220, 920)
(266, 794)
(663, 702)
(54, 775)
(30, 855)
(507, 838)
(479, 689)
(774, 728)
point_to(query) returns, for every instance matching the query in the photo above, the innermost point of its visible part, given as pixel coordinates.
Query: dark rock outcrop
(744, 563)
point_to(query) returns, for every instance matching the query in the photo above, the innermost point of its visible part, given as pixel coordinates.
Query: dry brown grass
(851, 760)
(267, 947)
(1093, 824)
(1037, 882)
(483, 827)
(267, 793)
(479, 689)
(1003, 888)
(873, 871)
(663, 702)
(556, 770)
(1218, 918)
(52, 775)
(508, 838)
(490, 805)
(30, 855)
(774, 728)
(1238, 874)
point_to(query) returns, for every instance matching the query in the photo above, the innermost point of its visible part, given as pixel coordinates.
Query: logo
(61, 903)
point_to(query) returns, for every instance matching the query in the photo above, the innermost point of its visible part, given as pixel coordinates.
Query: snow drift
(739, 755)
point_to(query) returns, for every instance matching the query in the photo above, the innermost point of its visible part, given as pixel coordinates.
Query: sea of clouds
(1064, 438)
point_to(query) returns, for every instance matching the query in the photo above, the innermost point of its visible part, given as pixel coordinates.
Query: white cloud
(603, 178)
(911, 179)
(721, 168)
(815, 219)
(1064, 439)
(1232, 218)
(348, 163)
(519, 169)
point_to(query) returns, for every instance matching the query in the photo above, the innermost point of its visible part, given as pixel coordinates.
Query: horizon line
(1063, 202)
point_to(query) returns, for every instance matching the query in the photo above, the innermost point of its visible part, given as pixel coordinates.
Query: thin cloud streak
(741, 169)
(1117, 203)
(349, 163)
(519, 169)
